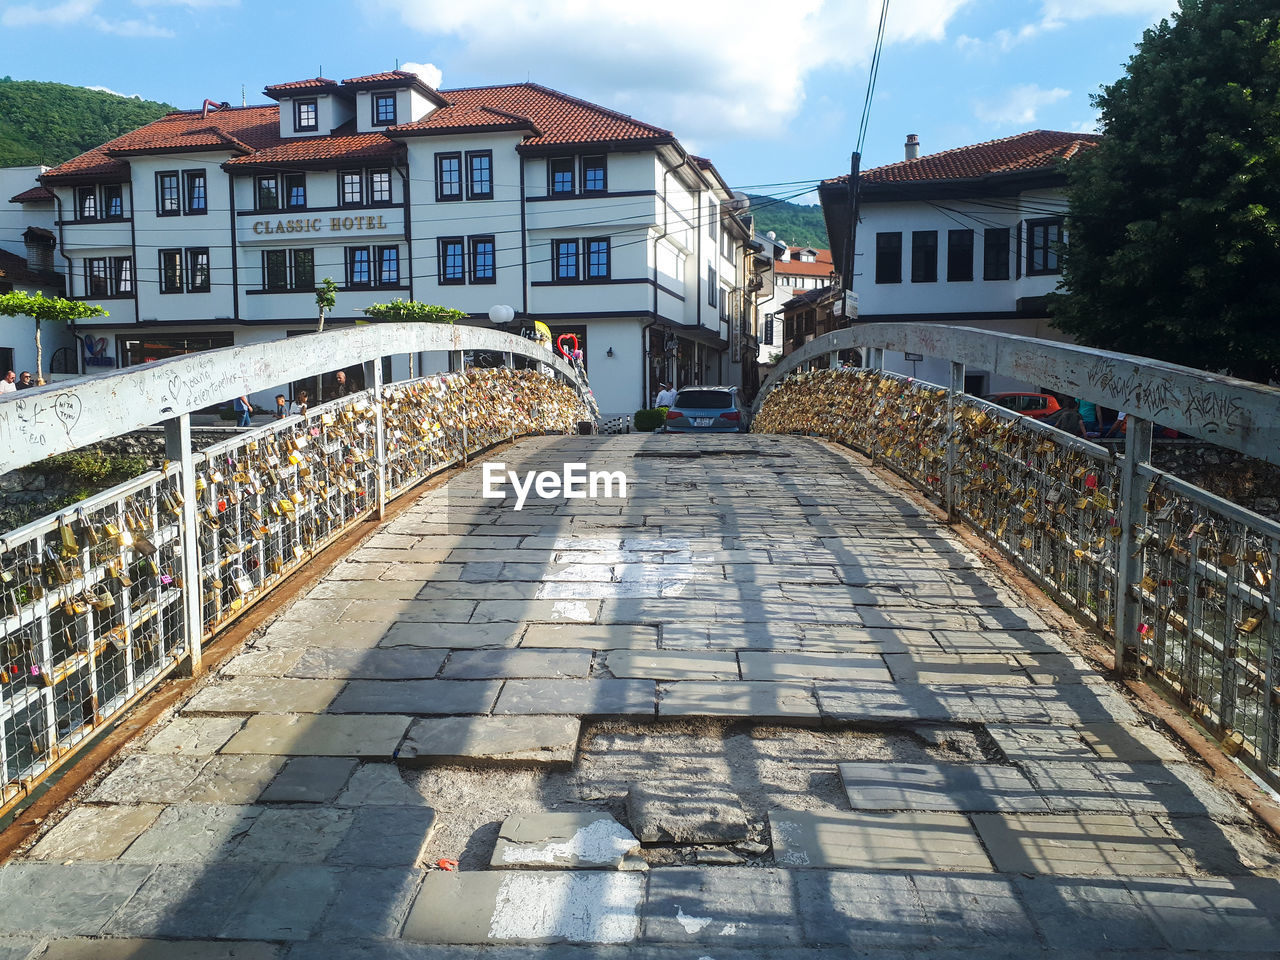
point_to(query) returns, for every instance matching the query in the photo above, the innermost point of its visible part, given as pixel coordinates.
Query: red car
(1038, 405)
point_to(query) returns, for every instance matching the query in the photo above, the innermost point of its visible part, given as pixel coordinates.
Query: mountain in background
(50, 123)
(795, 224)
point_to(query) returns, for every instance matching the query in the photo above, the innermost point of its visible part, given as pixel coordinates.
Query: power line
(871, 79)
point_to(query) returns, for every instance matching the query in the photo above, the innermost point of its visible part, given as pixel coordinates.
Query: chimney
(913, 146)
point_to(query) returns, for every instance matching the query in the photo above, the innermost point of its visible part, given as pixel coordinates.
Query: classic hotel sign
(320, 225)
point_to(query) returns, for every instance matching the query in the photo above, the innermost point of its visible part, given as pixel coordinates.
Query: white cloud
(116, 93)
(195, 4)
(1054, 14)
(429, 72)
(715, 67)
(1018, 106)
(79, 13)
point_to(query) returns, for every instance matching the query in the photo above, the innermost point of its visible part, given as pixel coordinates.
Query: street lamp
(501, 314)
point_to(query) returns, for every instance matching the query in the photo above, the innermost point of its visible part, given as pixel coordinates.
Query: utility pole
(855, 163)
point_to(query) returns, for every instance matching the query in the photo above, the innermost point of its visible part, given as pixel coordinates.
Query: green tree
(413, 311)
(326, 297)
(41, 309)
(1175, 216)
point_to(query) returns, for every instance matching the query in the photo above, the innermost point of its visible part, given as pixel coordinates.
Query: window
(711, 219)
(350, 189)
(560, 172)
(358, 268)
(448, 176)
(388, 266)
(384, 109)
(480, 175)
(168, 195)
(449, 258)
(113, 201)
(598, 258)
(87, 203)
(170, 271)
(133, 351)
(594, 175)
(712, 288)
(196, 192)
(924, 256)
(295, 191)
(96, 280)
(482, 260)
(198, 270)
(268, 193)
(288, 270)
(565, 259)
(122, 273)
(1044, 238)
(959, 255)
(379, 186)
(995, 253)
(304, 115)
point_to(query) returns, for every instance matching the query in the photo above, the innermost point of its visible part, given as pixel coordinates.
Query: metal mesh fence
(1205, 569)
(93, 597)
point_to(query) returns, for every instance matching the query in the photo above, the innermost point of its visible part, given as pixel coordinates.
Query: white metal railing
(105, 598)
(1184, 581)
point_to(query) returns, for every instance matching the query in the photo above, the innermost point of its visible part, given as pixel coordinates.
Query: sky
(771, 92)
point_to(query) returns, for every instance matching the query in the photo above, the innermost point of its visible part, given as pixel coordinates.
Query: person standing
(340, 388)
(7, 385)
(244, 410)
(1089, 414)
(300, 405)
(1068, 420)
(666, 396)
(24, 380)
(282, 407)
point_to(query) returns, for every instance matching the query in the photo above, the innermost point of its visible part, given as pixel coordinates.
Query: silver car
(705, 410)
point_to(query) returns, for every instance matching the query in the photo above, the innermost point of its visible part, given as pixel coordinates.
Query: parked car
(705, 410)
(1041, 406)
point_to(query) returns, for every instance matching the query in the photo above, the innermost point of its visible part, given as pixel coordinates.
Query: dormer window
(305, 116)
(384, 109)
(561, 174)
(87, 203)
(268, 193)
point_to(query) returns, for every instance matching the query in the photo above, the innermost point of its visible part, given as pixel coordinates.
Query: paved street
(766, 706)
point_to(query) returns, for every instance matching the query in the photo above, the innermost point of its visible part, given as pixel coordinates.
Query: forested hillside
(796, 225)
(52, 122)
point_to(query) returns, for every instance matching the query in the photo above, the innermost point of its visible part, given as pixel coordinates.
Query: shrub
(646, 421)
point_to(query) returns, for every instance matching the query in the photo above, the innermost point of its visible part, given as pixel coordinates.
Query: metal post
(177, 447)
(877, 358)
(833, 360)
(456, 360)
(380, 445)
(1131, 514)
(955, 389)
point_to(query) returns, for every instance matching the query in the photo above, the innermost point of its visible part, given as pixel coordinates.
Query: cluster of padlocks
(92, 597)
(1204, 574)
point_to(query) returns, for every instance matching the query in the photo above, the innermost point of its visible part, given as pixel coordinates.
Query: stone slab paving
(745, 581)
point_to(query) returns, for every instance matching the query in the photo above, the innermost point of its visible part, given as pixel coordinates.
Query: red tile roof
(1034, 150)
(390, 75)
(315, 83)
(33, 195)
(822, 267)
(558, 118)
(234, 129)
(336, 147)
(549, 119)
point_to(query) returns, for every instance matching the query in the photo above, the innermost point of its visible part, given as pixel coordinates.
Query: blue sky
(772, 92)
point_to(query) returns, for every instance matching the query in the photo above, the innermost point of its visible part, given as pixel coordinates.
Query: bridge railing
(1184, 582)
(105, 598)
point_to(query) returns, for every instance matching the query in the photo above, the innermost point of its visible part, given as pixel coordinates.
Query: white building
(796, 270)
(969, 236)
(28, 264)
(207, 228)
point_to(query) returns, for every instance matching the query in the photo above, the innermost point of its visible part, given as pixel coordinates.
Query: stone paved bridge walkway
(836, 731)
